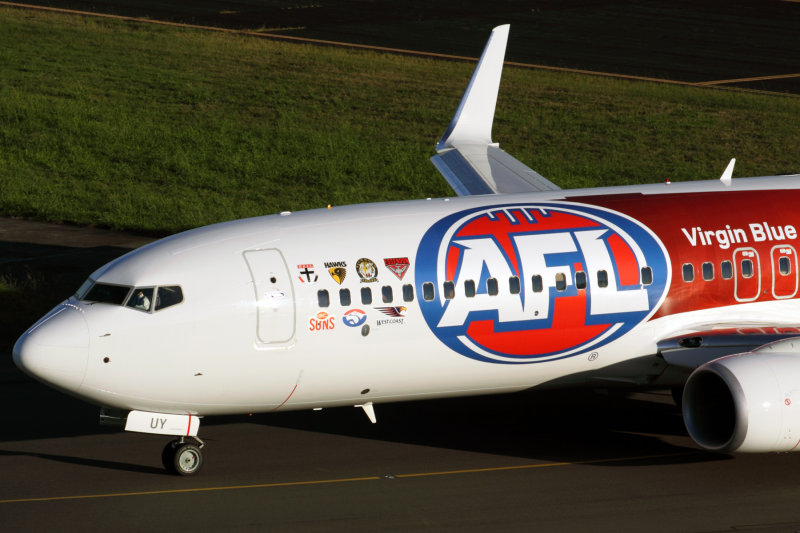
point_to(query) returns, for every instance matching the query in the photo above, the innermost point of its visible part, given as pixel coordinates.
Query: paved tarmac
(549, 461)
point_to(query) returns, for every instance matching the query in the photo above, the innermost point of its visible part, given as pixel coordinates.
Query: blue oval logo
(537, 282)
(354, 318)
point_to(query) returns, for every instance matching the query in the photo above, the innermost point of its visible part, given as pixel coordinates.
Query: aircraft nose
(56, 349)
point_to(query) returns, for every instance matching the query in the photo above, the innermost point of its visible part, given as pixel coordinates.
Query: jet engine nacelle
(748, 402)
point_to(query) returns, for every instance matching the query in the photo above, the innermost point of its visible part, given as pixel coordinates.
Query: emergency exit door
(274, 295)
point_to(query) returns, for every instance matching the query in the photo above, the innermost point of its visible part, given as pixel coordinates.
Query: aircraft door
(274, 295)
(784, 271)
(747, 268)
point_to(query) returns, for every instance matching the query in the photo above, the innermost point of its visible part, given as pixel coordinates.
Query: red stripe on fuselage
(716, 218)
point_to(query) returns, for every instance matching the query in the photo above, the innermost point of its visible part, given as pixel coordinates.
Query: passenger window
(647, 276)
(580, 279)
(386, 294)
(428, 291)
(168, 296)
(323, 299)
(491, 286)
(708, 271)
(784, 266)
(366, 295)
(449, 290)
(408, 293)
(344, 297)
(469, 288)
(747, 268)
(602, 278)
(726, 270)
(141, 298)
(688, 272)
(561, 282)
(536, 283)
(513, 285)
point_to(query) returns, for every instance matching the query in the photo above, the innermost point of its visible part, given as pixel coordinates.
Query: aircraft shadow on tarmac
(110, 465)
(560, 426)
(557, 425)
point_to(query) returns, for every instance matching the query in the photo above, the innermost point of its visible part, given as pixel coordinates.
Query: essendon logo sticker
(398, 265)
(546, 281)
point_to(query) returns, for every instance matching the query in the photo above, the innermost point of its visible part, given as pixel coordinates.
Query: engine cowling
(748, 402)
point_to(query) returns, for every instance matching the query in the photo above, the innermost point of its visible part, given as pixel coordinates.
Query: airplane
(511, 285)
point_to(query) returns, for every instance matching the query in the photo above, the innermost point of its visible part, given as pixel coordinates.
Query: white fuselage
(251, 334)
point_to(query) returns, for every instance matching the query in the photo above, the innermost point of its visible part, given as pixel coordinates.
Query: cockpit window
(141, 298)
(106, 294)
(81, 292)
(168, 296)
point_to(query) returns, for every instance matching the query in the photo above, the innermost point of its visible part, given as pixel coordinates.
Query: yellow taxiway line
(346, 480)
(745, 80)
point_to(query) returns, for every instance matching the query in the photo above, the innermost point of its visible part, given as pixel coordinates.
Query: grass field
(157, 129)
(674, 39)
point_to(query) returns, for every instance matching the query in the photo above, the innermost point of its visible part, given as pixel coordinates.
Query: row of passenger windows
(470, 289)
(726, 269)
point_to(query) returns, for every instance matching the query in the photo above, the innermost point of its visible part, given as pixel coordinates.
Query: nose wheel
(183, 458)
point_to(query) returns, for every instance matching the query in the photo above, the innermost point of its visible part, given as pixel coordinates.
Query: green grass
(149, 128)
(679, 39)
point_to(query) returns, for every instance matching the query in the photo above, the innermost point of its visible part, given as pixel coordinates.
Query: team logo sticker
(322, 321)
(397, 266)
(367, 270)
(337, 270)
(397, 314)
(306, 273)
(354, 318)
(537, 249)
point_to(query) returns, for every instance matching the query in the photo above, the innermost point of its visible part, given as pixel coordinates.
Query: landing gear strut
(183, 458)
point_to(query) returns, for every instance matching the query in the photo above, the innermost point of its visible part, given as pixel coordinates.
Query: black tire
(167, 456)
(187, 459)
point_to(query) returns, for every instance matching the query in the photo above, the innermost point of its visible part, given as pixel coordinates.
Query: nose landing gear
(183, 458)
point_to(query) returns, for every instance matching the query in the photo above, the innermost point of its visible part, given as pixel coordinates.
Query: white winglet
(466, 156)
(728, 174)
(472, 122)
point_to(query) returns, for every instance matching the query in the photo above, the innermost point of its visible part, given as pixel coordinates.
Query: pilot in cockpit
(141, 301)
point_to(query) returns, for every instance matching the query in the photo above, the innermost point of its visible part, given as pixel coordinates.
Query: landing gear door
(274, 296)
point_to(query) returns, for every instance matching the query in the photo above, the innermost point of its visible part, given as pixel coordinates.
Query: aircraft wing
(695, 349)
(466, 156)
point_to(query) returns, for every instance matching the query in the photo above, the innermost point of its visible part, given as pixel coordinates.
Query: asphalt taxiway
(550, 461)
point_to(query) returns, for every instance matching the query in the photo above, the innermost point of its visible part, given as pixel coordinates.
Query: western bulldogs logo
(549, 313)
(354, 318)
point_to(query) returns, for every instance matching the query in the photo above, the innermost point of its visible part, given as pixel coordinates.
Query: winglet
(472, 122)
(465, 155)
(728, 174)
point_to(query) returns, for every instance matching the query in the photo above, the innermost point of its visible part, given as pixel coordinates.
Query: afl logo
(538, 282)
